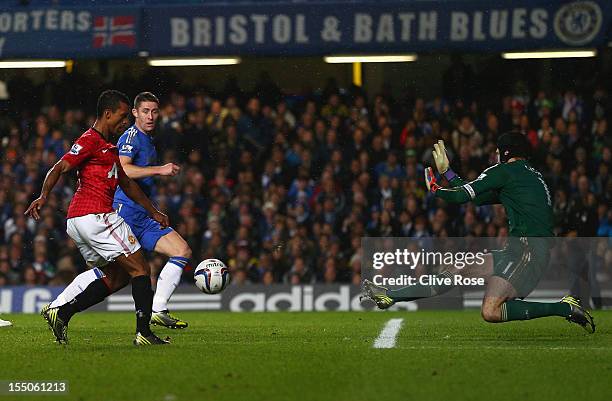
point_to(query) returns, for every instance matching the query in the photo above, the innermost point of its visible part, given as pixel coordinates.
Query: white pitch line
(386, 338)
(508, 348)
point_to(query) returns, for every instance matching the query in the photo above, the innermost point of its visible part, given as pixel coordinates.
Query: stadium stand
(283, 186)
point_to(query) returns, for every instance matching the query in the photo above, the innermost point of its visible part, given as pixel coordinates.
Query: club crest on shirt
(76, 148)
(132, 239)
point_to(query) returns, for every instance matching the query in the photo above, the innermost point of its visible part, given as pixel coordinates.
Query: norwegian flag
(114, 31)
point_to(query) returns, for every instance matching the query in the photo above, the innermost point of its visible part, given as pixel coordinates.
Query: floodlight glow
(400, 58)
(187, 62)
(550, 54)
(33, 64)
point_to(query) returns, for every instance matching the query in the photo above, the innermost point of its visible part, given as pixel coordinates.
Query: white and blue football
(211, 276)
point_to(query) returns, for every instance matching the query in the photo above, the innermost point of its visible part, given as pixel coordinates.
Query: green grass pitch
(315, 356)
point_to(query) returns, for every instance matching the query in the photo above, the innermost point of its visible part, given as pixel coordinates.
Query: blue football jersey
(139, 146)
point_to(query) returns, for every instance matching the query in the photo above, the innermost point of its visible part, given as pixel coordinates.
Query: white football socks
(77, 286)
(167, 282)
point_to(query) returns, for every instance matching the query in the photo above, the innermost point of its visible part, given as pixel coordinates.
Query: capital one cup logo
(578, 23)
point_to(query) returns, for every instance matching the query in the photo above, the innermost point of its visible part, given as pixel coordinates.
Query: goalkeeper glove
(440, 157)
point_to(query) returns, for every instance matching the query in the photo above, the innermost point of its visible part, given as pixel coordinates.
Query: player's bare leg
(384, 298)
(498, 291)
(179, 253)
(117, 277)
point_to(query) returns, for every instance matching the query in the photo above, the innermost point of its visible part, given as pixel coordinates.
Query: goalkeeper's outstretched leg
(500, 303)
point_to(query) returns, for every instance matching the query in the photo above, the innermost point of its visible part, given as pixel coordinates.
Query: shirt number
(113, 172)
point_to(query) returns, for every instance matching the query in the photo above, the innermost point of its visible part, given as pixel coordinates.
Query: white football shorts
(102, 237)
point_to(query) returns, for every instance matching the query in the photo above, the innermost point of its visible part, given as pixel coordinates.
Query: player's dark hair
(513, 144)
(145, 97)
(110, 99)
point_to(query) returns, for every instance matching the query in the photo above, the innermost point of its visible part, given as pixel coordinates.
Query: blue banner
(235, 298)
(305, 28)
(266, 298)
(86, 32)
(386, 27)
(26, 299)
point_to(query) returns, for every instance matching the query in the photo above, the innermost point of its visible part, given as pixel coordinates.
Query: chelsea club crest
(578, 23)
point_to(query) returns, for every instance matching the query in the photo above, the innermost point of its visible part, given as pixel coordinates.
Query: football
(211, 276)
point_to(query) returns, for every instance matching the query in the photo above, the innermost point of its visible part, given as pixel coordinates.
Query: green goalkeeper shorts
(522, 262)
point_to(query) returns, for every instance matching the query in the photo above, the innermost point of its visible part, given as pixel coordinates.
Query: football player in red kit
(103, 238)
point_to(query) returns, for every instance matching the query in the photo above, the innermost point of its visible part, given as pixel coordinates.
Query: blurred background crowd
(282, 187)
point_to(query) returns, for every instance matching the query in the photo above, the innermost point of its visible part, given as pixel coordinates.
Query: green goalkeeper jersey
(518, 187)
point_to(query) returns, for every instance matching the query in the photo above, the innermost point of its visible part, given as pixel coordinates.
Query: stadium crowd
(283, 188)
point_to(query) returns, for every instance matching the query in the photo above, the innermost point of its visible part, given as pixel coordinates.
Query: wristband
(449, 174)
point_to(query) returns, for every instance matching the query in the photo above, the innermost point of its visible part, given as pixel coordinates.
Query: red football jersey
(98, 170)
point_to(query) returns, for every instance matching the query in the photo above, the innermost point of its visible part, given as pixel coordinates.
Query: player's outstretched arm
(440, 158)
(482, 190)
(132, 190)
(134, 172)
(51, 178)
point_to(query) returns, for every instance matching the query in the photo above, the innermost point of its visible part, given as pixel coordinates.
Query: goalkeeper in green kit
(513, 272)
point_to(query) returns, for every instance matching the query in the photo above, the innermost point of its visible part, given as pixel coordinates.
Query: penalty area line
(386, 338)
